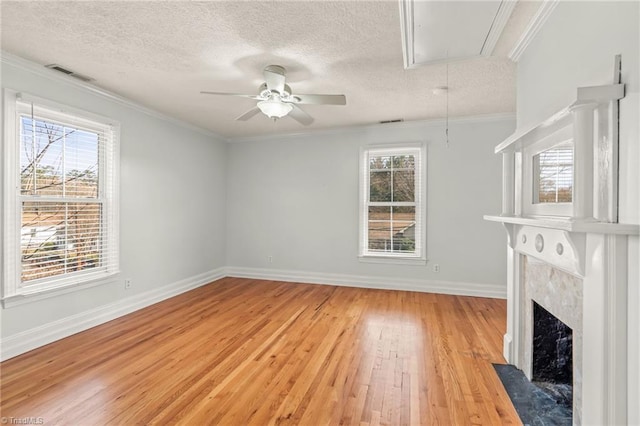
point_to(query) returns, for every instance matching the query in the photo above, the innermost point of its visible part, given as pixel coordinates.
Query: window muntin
(392, 211)
(63, 189)
(553, 175)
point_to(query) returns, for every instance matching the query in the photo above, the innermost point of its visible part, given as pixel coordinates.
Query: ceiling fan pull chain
(447, 101)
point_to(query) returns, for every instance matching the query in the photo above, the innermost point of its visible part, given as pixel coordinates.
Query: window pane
(56, 160)
(379, 162)
(379, 229)
(404, 185)
(41, 157)
(380, 213)
(83, 236)
(81, 164)
(27, 154)
(404, 229)
(380, 186)
(555, 175)
(404, 213)
(404, 162)
(42, 240)
(58, 238)
(392, 229)
(379, 235)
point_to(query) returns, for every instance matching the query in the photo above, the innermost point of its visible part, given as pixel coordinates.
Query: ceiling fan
(275, 99)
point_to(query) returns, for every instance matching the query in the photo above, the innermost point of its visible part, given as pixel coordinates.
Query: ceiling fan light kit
(276, 99)
(275, 108)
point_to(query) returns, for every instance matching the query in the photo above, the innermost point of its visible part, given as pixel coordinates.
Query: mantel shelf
(586, 96)
(567, 224)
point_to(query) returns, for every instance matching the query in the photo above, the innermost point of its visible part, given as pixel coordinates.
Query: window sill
(33, 295)
(394, 260)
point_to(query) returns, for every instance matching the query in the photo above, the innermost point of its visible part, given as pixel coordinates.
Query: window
(553, 175)
(392, 203)
(60, 225)
(546, 166)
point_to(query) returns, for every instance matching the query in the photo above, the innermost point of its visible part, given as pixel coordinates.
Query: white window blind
(64, 190)
(392, 209)
(554, 175)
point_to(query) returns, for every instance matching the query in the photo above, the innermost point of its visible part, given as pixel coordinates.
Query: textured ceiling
(162, 54)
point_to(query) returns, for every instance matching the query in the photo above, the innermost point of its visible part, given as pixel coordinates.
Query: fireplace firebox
(552, 349)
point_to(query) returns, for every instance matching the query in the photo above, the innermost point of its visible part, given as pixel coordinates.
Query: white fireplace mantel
(564, 224)
(582, 238)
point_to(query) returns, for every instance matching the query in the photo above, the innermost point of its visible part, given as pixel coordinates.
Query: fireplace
(551, 306)
(552, 356)
(568, 260)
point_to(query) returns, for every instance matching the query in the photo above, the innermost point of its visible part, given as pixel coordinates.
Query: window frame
(419, 149)
(14, 291)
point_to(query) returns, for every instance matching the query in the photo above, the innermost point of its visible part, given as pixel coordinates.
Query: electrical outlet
(436, 268)
(270, 259)
(127, 283)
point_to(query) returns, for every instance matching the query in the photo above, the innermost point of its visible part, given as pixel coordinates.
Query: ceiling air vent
(58, 68)
(397, 120)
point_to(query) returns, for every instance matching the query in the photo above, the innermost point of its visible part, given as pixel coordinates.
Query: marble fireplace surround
(572, 258)
(560, 293)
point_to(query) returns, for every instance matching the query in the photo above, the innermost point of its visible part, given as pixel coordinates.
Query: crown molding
(40, 70)
(406, 31)
(500, 21)
(536, 23)
(373, 128)
(407, 25)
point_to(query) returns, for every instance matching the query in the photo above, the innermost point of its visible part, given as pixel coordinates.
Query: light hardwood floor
(242, 351)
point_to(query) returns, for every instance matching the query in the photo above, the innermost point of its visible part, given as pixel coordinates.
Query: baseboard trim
(39, 336)
(494, 291)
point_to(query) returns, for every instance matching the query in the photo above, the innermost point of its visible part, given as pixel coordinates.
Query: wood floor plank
(250, 352)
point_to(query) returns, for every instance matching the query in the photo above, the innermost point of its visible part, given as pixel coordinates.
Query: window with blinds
(65, 167)
(392, 203)
(553, 172)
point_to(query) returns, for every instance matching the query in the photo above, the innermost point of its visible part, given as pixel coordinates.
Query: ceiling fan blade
(247, 115)
(320, 99)
(274, 78)
(300, 116)
(232, 94)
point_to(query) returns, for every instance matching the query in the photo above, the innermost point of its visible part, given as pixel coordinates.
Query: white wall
(296, 198)
(172, 212)
(575, 48)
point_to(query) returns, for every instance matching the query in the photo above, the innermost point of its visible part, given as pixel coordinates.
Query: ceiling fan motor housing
(276, 69)
(264, 92)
